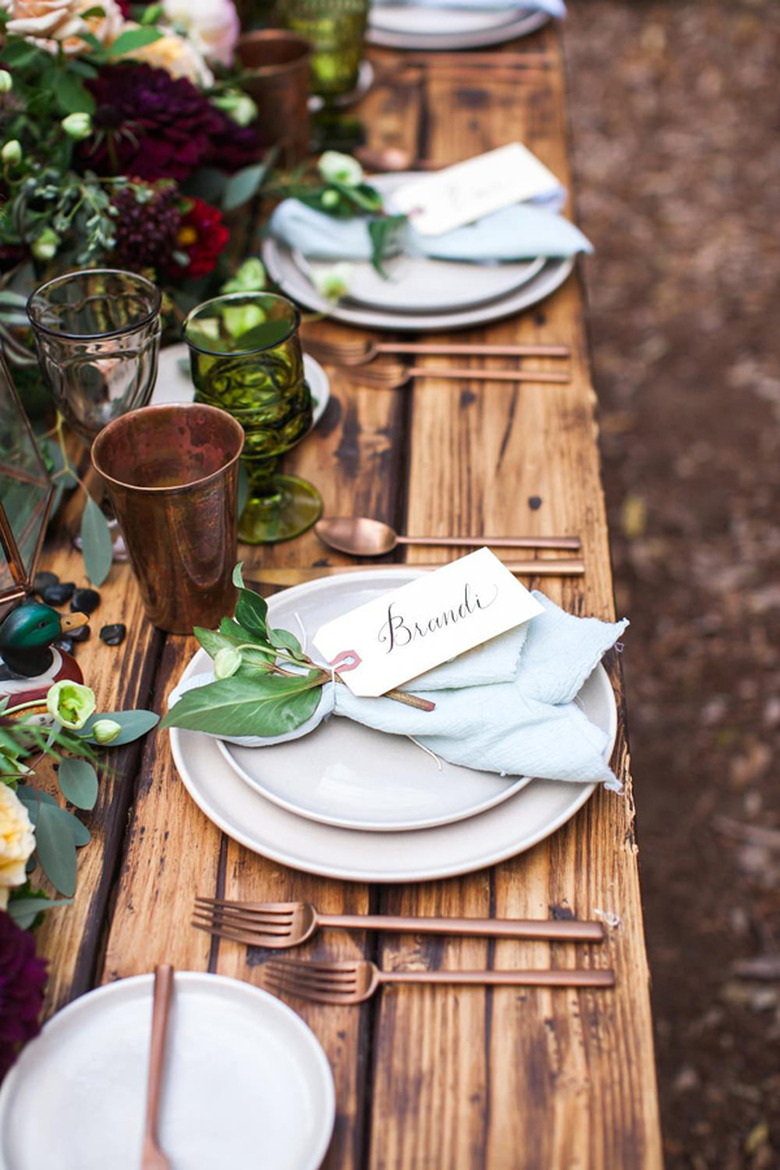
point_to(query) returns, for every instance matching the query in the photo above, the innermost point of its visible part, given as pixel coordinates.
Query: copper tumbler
(171, 473)
(276, 65)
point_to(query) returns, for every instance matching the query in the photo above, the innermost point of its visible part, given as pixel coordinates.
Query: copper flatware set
(280, 925)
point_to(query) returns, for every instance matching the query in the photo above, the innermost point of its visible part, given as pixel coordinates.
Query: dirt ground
(675, 120)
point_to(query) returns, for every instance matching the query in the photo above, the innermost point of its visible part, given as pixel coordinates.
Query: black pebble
(58, 594)
(65, 644)
(84, 601)
(113, 635)
(44, 580)
(81, 634)
(534, 503)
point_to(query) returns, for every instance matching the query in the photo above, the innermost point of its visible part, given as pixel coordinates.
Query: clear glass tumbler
(97, 334)
(246, 357)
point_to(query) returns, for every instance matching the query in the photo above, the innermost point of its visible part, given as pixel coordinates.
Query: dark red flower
(202, 235)
(149, 124)
(147, 225)
(22, 980)
(155, 126)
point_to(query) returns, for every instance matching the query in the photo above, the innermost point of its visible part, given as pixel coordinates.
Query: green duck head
(33, 625)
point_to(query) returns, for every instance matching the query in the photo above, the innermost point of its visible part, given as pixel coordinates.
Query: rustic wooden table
(426, 1078)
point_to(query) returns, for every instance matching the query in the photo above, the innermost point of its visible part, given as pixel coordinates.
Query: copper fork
(347, 982)
(359, 353)
(286, 924)
(152, 1157)
(394, 376)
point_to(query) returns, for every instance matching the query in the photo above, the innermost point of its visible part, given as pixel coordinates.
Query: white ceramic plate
(351, 776)
(465, 29)
(418, 855)
(246, 1082)
(416, 284)
(408, 20)
(281, 264)
(174, 383)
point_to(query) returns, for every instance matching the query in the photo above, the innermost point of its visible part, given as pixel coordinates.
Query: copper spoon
(362, 537)
(152, 1157)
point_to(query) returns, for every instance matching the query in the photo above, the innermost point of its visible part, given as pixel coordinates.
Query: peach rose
(176, 55)
(51, 23)
(17, 842)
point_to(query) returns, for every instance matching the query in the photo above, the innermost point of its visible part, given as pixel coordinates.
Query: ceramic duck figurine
(29, 664)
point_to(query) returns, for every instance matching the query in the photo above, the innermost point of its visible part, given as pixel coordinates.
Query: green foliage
(58, 833)
(276, 688)
(243, 185)
(96, 542)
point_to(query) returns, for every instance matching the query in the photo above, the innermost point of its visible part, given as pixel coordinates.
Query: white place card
(465, 192)
(402, 634)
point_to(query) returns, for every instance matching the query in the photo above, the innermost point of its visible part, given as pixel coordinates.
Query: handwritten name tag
(402, 634)
(468, 190)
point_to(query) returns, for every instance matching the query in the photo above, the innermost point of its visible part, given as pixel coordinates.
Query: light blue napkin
(554, 7)
(507, 707)
(520, 232)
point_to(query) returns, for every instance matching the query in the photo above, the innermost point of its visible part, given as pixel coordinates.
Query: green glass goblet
(336, 30)
(246, 358)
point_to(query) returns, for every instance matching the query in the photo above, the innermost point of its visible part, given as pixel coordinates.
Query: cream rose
(176, 55)
(51, 23)
(17, 842)
(212, 26)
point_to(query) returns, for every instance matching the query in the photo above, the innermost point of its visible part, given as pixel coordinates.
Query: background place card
(468, 190)
(401, 634)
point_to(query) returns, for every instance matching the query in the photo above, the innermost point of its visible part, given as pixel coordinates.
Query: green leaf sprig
(272, 686)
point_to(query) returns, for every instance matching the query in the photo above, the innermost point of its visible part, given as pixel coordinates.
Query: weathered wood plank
(537, 1079)
(355, 458)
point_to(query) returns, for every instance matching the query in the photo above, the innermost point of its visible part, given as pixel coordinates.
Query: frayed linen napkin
(519, 232)
(507, 706)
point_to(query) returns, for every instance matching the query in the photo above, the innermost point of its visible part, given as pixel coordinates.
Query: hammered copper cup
(277, 79)
(171, 473)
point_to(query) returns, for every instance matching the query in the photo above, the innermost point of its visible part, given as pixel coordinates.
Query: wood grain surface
(426, 1078)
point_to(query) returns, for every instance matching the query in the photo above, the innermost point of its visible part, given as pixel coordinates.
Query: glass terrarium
(25, 497)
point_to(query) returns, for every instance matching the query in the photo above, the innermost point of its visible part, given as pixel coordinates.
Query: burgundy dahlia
(149, 124)
(202, 235)
(147, 226)
(22, 980)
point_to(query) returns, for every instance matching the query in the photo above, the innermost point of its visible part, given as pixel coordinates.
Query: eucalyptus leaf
(243, 488)
(24, 911)
(134, 724)
(132, 39)
(33, 798)
(56, 848)
(78, 782)
(248, 704)
(381, 232)
(96, 543)
(72, 97)
(241, 186)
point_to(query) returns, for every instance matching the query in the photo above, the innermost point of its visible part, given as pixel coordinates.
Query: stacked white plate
(408, 27)
(352, 803)
(418, 294)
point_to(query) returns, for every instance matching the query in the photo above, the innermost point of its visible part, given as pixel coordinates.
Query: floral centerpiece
(124, 139)
(38, 835)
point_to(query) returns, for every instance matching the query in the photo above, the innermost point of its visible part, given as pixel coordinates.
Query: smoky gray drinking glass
(97, 333)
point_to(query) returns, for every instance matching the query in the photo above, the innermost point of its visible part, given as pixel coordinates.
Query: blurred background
(675, 120)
